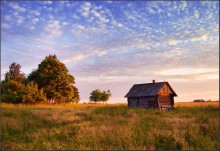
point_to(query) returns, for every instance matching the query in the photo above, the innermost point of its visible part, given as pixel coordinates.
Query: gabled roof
(146, 89)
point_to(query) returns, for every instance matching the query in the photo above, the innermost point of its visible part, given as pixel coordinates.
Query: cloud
(77, 29)
(173, 42)
(154, 8)
(50, 9)
(200, 38)
(75, 16)
(53, 29)
(15, 13)
(74, 58)
(114, 22)
(7, 17)
(99, 16)
(37, 13)
(150, 10)
(187, 71)
(51, 17)
(20, 20)
(17, 7)
(95, 13)
(210, 16)
(65, 23)
(6, 26)
(87, 4)
(183, 5)
(35, 20)
(31, 27)
(130, 16)
(80, 27)
(85, 14)
(104, 20)
(91, 19)
(85, 9)
(102, 53)
(85, 32)
(48, 2)
(196, 13)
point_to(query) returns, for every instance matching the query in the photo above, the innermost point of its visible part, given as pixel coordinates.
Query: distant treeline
(201, 100)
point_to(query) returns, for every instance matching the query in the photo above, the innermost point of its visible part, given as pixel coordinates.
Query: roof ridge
(148, 83)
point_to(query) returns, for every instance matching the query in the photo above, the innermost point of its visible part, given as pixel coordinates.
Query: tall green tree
(105, 96)
(99, 96)
(52, 75)
(12, 87)
(14, 73)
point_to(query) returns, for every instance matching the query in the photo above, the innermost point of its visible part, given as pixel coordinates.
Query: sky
(110, 45)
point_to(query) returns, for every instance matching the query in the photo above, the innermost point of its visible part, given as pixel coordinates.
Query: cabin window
(164, 90)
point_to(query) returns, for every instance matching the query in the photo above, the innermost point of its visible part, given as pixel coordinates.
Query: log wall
(165, 100)
(143, 102)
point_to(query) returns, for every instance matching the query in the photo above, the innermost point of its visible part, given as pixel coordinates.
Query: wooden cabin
(157, 95)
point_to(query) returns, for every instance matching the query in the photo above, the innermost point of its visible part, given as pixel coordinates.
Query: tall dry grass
(112, 127)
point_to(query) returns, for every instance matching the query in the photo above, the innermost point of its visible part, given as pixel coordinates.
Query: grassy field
(189, 126)
(196, 104)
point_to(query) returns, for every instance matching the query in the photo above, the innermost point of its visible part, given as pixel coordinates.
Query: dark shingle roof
(146, 89)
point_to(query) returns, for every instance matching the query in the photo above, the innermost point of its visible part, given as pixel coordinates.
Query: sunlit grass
(194, 104)
(177, 104)
(68, 105)
(108, 127)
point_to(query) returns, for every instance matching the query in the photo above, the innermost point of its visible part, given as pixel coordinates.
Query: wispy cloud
(35, 12)
(47, 2)
(20, 20)
(17, 7)
(53, 28)
(35, 20)
(4, 25)
(74, 58)
(7, 17)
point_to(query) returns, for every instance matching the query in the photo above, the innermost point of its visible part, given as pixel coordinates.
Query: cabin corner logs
(156, 95)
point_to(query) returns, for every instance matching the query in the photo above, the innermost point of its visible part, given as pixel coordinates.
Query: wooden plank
(164, 100)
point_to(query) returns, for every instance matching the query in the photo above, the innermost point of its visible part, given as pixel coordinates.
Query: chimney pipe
(153, 81)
